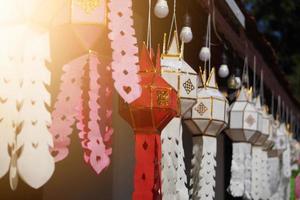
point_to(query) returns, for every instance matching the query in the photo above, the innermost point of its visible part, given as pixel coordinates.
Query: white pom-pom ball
(223, 71)
(238, 82)
(161, 9)
(186, 34)
(204, 54)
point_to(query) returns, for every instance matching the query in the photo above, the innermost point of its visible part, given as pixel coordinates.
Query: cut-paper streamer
(125, 51)
(25, 138)
(173, 168)
(79, 101)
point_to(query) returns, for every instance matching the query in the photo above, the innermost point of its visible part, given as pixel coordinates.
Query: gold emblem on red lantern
(162, 98)
(88, 5)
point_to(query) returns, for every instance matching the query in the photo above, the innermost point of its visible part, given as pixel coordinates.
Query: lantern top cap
(258, 103)
(146, 59)
(174, 49)
(242, 95)
(211, 81)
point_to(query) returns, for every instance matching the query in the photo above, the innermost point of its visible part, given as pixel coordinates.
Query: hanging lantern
(206, 120)
(243, 130)
(148, 115)
(281, 140)
(269, 143)
(264, 123)
(209, 115)
(86, 78)
(161, 9)
(243, 120)
(183, 79)
(223, 70)
(186, 34)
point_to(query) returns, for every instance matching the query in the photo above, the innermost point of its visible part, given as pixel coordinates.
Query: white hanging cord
(254, 76)
(149, 41)
(278, 108)
(209, 42)
(245, 78)
(272, 104)
(173, 23)
(262, 87)
(214, 21)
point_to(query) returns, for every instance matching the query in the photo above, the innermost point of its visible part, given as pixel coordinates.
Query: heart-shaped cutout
(127, 89)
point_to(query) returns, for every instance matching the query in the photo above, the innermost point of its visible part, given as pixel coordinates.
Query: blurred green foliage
(280, 22)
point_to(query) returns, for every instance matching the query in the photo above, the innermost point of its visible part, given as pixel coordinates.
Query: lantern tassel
(147, 185)
(66, 106)
(95, 152)
(173, 167)
(204, 182)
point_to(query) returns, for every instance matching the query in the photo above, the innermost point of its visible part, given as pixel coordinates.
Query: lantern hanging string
(254, 76)
(245, 78)
(262, 95)
(278, 108)
(208, 43)
(173, 23)
(272, 104)
(283, 112)
(149, 39)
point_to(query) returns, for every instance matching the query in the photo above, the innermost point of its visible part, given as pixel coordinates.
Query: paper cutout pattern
(79, 99)
(25, 118)
(203, 167)
(173, 167)
(125, 51)
(240, 182)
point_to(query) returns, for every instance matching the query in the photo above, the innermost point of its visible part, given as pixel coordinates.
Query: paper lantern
(269, 143)
(183, 79)
(148, 115)
(209, 115)
(206, 120)
(179, 75)
(264, 124)
(281, 137)
(243, 120)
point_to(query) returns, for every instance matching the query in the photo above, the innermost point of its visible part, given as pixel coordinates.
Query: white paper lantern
(183, 79)
(209, 116)
(264, 123)
(281, 138)
(179, 74)
(186, 34)
(268, 145)
(204, 54)
(223, 71)
(243, 119)
(161, 9)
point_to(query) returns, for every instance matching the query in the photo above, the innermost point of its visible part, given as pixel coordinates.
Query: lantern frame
(210, 93)
(182, 70)
(240, 132)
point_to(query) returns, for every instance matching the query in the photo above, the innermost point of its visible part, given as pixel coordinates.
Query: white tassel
(265, 191)
(247, 153)
(236, 187)
(25, 76)
(173, 168)
(205, 182)
(273, 174)
(195, 168)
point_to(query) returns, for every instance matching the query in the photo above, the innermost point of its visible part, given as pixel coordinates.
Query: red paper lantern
(148, 115)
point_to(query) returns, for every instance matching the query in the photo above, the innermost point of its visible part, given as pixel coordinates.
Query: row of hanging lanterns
(164, 92)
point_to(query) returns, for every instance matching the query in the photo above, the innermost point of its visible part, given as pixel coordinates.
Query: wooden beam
(239, 41)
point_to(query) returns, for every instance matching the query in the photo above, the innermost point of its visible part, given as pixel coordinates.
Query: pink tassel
(95, 152)
(125, 51)
(63, 116)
